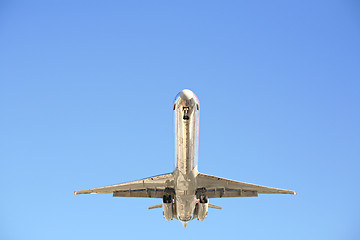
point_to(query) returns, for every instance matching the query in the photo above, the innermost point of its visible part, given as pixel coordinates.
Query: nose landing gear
(186, 113)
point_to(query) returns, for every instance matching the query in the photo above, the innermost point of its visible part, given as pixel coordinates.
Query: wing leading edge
(217, 187)
(153, 187)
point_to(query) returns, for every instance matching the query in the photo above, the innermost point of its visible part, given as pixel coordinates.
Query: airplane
(185, 192)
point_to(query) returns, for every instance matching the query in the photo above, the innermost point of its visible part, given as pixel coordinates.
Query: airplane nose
(186, 94)
(186, 97)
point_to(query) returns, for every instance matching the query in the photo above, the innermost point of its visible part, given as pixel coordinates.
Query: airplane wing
(217, 187)
(152, 187)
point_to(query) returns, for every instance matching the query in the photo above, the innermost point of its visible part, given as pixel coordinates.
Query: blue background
(86, 91)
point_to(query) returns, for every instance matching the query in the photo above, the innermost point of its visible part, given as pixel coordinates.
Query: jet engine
(201, 208)
(169, 209)
(202, 211)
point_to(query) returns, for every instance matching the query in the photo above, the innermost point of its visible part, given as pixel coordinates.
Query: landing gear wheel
(203, 199)
(167, 199)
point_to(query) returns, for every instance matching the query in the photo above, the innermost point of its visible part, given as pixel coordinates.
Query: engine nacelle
(202, 210)
(169, 208)
(168, 211)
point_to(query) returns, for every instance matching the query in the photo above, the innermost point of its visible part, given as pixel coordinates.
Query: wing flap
(146, 193)
(229, 192)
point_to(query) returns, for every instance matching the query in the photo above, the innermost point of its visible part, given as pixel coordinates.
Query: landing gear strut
(203, 199)
(186, 113)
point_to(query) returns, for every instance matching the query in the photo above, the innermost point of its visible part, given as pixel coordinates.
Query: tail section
(155, 206)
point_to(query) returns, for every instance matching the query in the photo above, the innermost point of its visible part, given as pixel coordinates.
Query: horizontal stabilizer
(155, 206)
(214, 206)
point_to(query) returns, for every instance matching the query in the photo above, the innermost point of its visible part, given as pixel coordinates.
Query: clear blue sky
(86, 91)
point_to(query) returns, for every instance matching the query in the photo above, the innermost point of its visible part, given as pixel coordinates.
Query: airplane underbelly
(186, 118)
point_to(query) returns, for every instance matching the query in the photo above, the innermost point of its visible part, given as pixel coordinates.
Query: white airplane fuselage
(186, 119)
(185, 191)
